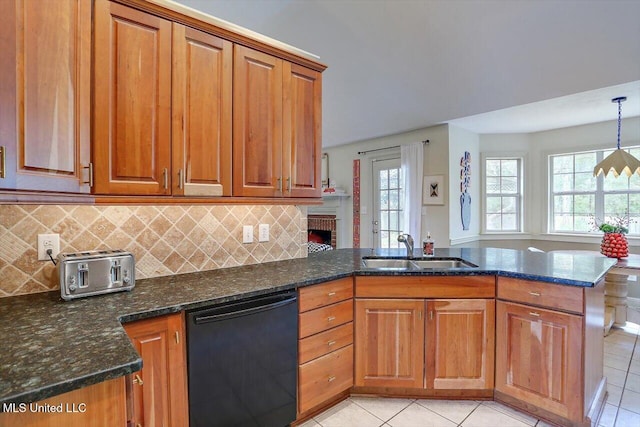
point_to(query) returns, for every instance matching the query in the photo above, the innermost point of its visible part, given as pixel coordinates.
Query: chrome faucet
(408, 242)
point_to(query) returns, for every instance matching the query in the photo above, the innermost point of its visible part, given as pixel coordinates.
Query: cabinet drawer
(324, 318)
(324, 294)
(325, 377)
(425, 287)
(561, 297)
(320, 344)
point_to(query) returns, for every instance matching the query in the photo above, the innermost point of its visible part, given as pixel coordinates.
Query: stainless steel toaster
(83, 274)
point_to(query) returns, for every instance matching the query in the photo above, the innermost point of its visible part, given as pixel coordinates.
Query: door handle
(137, 380)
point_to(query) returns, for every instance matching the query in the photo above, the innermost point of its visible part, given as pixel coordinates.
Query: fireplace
(322, 229)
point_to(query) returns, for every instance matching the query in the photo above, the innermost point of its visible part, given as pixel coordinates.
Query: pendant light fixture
(619, 161)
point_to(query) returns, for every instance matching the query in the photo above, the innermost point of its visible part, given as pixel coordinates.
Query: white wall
(341, 175)
(536, 148)
(442, 157)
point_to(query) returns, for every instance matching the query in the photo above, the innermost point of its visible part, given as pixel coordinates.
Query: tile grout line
(635, 345)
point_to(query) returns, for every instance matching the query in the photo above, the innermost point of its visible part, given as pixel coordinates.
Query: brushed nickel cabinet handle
(330, 294)
(3, 162)
(331, 318)
(535, 294)
(177, 337)
(165, 178)
(180, 179)
(330, 343)
(90, 173)
(289, 184)
(331, 378)
(431, 315)
(533, 313)
(279, 184)
(137, 379)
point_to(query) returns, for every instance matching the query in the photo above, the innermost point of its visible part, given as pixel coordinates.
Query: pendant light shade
(619, 161)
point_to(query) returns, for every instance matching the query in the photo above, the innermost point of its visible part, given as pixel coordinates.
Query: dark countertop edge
(74, 384)
(128, 368)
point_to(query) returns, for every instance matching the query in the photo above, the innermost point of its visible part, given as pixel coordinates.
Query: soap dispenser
(428, 245)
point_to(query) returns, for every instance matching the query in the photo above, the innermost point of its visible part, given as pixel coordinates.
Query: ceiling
(401, 65)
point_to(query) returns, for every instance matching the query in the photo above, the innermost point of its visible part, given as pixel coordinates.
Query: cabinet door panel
(202, 82)
(257, 127)
(538, 357)
(159, 391)
(302, 131)
(389, 343)
(132, 101)
(460, 344)
(46, 88)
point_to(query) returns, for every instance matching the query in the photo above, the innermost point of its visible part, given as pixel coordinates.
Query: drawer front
(324, 318)
(325, 377)
(325, 342)
(425, 287)
(560, 297)
(324, 294)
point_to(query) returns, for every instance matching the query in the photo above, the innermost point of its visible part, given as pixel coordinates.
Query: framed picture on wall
(433, 190)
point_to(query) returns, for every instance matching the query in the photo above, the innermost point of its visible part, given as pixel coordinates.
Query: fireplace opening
(322, 229)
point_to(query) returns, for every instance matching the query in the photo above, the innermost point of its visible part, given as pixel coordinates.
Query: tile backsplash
(165, 240)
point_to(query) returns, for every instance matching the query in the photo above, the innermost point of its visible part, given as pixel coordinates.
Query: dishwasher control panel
(89, 273)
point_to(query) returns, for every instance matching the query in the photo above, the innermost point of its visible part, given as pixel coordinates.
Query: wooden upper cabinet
(389, 343)
(460, 344)
(302, 131)
(257, 124)
(201, 109)
(132, 101)
(45, 95)
(158, 393)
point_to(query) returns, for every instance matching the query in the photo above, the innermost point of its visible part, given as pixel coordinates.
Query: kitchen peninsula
(51, 347)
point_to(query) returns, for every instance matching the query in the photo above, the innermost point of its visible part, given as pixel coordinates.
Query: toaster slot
(83, 275)
(116, 272)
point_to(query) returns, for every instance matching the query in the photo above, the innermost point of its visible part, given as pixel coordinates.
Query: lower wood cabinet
(549, 350)
(157, 394)
(325, 349)
(97, 405)
(418, 343)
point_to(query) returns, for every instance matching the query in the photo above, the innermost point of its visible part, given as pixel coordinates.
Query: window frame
(520, 195)
(599, 193)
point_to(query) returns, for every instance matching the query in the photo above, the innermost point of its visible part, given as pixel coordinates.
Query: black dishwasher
(242, 362)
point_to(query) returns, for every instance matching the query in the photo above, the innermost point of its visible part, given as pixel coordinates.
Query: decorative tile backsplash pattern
(165, 240)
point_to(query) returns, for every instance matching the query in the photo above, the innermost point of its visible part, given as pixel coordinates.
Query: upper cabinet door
(302, 131)
(45, 94)
(257, 124)
(201, 108)
(132, 101)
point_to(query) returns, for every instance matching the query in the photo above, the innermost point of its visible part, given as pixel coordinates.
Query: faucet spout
(408, 242)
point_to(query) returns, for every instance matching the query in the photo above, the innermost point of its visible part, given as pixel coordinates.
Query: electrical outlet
(247, 234)
(263, 233)
(48, 241)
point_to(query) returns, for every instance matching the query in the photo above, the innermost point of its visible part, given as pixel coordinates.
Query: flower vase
(614, 245)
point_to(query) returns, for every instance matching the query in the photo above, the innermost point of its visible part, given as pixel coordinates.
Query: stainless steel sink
(388, 263)
(442, 263)
(415, 264)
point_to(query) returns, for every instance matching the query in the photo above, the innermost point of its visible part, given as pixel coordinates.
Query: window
(576, 195)
(388, 199)
(503, 194)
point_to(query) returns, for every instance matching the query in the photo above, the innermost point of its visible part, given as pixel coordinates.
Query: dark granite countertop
(49, 346)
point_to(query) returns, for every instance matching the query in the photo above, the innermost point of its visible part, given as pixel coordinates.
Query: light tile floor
(621, 366)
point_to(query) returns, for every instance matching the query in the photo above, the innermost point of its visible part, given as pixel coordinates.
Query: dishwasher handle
(230, 313)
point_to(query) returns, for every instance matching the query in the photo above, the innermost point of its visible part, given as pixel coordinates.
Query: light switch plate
(263, 232)
(247, 234)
